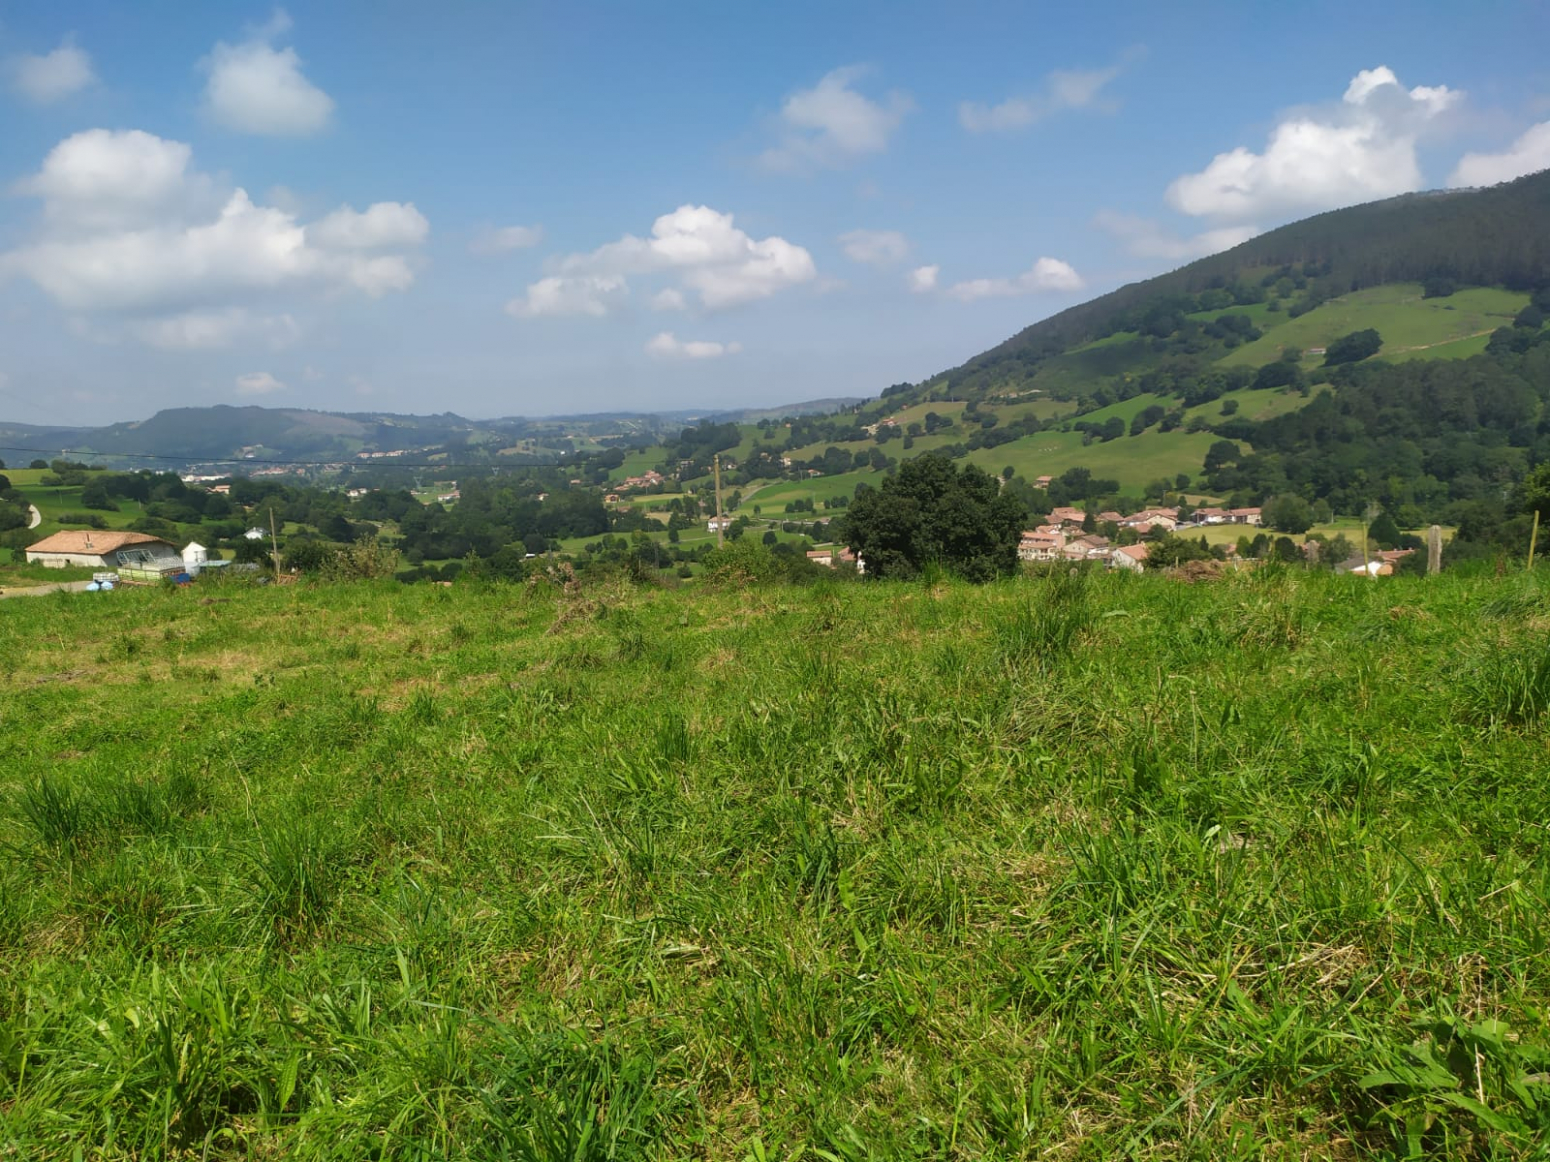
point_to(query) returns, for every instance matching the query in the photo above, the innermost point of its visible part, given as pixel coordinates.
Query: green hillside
(1204, 353)
(1492, 237)
(1411, 325)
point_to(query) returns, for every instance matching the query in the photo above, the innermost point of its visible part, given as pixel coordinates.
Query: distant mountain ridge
(225, 432)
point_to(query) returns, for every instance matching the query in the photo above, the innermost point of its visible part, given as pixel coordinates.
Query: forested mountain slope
(1492, 237)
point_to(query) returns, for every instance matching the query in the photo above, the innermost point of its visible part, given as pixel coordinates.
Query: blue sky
(548, 208)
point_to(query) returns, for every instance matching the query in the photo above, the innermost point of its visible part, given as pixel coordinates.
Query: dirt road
(40, 590)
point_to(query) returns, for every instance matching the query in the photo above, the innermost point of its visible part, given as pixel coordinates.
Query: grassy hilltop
(1075, 867)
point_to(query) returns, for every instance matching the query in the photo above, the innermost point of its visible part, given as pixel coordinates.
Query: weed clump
(1508, 683)
(1046, 626)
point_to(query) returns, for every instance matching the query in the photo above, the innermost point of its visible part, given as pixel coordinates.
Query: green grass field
(773, 498)
(1409, 324)
(638, 461)
(1261, 404)
(1135, 461)
(1076, 867)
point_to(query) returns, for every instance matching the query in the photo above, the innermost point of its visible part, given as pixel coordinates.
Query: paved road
(40, 590)
(37, 517)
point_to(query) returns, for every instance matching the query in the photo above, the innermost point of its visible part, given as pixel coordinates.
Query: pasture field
(774, 496)
(1075, 866)
(1409, 324)
(1134, 461)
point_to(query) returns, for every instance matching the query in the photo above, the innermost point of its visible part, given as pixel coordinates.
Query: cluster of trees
(1426, 434)
(700, 443)
(14, 513)
(494, 514)
(1353, 348)
(65, 473)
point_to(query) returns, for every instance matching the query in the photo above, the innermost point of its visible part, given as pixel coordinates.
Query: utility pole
(716, 464)
(1369, 514)
(274, 546)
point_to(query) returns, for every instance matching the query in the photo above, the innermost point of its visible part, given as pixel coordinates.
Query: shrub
(368, 559)
(90, 519)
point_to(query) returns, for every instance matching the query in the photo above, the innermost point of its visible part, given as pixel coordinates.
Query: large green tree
(1288, 513)
(1383, 531)
(1534, 493)
(933, 511)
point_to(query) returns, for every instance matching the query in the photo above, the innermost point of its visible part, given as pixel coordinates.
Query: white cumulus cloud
(383, 224)
(102, 179)
(257, 88)
(1360, 149)
(1047, 274)
(258, 383)
(559, 295)
(875, 247)
(832, 125)
(54, 75)
(669, 298)
(699, 248)
(1062, 90)
(923, 278)
(1528, 154)
(129, 228)
(666, 345)
(500, 239)
(1146, 238)
(211, 330)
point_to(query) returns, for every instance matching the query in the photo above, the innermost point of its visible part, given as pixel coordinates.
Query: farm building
(95, 549)
(196, 559)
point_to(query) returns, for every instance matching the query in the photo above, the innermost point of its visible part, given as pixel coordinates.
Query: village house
(650, 479)
(1043, 481)
(1148, 519)
(1129, 557)
(1372, 568)
(829, 558)
(1245, 516)
(1089, 548)
(1066, 516)
(96, 549)
(1379, 564)
(1037, 545)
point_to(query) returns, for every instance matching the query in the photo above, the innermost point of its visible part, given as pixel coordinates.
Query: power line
(375, 462)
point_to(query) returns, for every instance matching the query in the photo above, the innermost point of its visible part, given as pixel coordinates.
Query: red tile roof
(94, 541)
